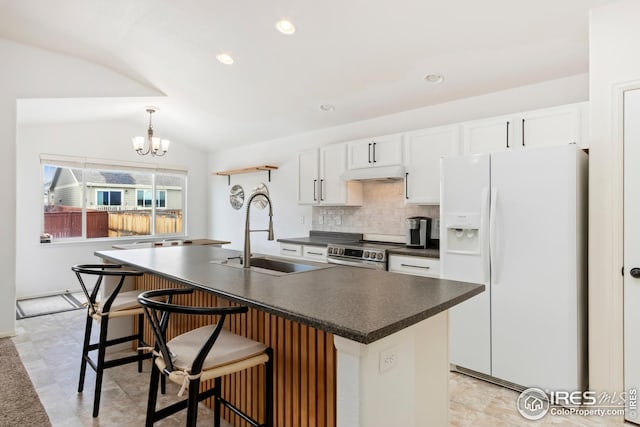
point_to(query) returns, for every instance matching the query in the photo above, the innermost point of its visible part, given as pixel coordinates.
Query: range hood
(377, 173)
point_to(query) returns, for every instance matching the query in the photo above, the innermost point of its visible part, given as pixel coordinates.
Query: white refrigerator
(516, 222)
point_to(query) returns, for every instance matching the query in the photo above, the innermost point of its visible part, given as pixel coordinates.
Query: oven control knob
(366, 254)
(380, 255)
(373, 255)
(341, 251)
(330, 250)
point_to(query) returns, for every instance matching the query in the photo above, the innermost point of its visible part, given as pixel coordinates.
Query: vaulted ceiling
(367, 58)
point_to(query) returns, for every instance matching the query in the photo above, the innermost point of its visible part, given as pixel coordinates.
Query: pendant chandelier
(154, 145)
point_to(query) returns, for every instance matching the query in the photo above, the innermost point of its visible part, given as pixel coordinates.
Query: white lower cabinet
(314, 253)
(415, 265)
(307, 252)
(290, 250)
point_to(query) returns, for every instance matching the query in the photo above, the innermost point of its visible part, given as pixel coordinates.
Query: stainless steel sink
(281, 266)
(273, 266)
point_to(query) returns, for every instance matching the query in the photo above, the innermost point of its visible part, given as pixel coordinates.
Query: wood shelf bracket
(262, 168)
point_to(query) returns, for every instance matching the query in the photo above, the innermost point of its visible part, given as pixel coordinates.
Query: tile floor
(50, 346)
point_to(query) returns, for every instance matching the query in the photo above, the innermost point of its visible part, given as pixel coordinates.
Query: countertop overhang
(359, 304)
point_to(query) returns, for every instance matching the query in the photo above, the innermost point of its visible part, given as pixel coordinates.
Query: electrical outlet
(302, 219)
(388, 359)
(338, 219)
(320, 219)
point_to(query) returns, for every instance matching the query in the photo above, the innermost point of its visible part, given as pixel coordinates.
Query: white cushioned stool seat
(123, 301)
(228, 348)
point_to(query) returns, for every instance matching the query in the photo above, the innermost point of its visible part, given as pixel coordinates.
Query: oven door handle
(361, 264)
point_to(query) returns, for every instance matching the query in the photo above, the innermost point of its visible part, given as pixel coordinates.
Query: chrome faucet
(247, 231)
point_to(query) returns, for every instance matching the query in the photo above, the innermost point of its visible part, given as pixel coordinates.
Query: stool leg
(217, 383)
(85, 352)
(140, 340)
(268, 392)
(192, 403)
(163, 384)
(100, 364)
(153, 393)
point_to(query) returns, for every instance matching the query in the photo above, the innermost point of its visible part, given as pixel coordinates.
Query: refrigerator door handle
(484, 230)
(492, 236)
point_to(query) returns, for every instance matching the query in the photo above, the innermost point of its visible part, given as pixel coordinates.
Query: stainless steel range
(371, 255)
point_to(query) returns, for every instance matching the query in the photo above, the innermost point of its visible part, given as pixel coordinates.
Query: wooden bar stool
(116, 304)
(205, 353)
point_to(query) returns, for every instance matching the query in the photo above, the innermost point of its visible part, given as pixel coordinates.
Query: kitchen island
(390, 332)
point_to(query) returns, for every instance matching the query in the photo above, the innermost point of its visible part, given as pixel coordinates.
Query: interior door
(632, 245)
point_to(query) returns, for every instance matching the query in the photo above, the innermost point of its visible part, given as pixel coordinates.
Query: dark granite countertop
(359, 304)
(323, 238)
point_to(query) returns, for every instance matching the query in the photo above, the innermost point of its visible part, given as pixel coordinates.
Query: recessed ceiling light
(285, 27)
(327, 107)
(225, 58)
(434, 78)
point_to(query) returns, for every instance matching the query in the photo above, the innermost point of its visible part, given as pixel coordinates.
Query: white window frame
(114, 166)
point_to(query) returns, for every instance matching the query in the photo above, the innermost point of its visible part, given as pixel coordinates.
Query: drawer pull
(289, 250)
(315, 253)
(415, 266)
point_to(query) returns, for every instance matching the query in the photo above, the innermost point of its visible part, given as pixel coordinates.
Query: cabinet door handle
(415, 266)
(523, 132)
(508, 134)
(315, 253)
(374, 152)
(289, 250)
(406, 185)
(369, 152)
(315, 182)
(321, 184)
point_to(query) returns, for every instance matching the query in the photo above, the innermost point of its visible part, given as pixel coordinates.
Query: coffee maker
(418, 232)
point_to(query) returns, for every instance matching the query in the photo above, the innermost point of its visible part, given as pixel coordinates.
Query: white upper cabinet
(319, 180)
(539, 128)
(373, 152)
(489, 135)
(423, 151)
(551, 126)
(308, 177)
(333, 190)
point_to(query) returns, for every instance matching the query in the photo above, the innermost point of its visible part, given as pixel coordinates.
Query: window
(88, 200)
(108, 198)
(144, 198)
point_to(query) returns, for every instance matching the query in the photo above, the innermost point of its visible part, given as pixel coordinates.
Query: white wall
(28, 72)
(228, 224)
(101, 140)
(614, 60)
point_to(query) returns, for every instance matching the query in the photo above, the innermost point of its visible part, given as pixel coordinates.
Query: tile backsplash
(383, 211)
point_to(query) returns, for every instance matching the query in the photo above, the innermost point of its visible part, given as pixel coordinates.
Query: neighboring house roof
(114, 178)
